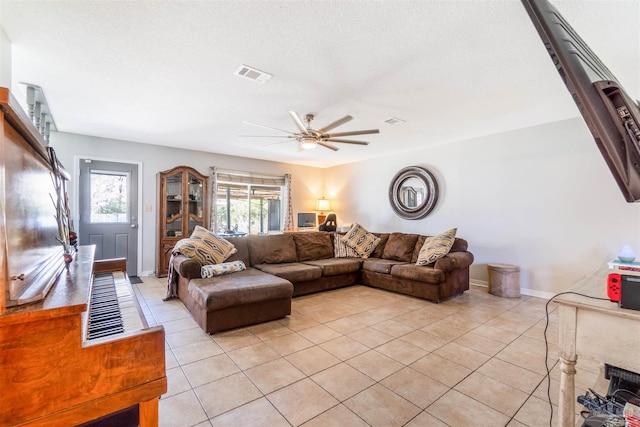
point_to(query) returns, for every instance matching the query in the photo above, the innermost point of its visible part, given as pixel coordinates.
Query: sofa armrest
(454, 260)
(186, 267)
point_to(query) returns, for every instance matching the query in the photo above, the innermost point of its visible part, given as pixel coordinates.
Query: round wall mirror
(413, 192)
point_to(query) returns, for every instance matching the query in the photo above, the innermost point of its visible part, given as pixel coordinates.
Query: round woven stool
(504, 280)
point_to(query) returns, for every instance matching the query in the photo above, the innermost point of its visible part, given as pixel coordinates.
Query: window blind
(249, 178)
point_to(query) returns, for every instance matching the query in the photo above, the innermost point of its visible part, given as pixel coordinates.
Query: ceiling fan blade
(335, 124)
(268, 127)
(353, 132)
(329, 146)
(276, 143)
(298, 122)
(346, 141)
(266, 136)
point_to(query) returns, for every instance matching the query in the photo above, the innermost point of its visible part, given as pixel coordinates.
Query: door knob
(134, 225)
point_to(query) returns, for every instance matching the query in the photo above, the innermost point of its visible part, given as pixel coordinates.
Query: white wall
(541, 198)
(5, 59)
(305, 188)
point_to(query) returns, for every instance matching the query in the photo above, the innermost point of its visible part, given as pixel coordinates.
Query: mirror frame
(431, 196)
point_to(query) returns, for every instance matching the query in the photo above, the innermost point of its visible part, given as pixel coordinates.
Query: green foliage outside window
(241, 214)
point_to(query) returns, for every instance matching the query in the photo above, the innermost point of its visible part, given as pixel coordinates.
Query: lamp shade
(322, 205)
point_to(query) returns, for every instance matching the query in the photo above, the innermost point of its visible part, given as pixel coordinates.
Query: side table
(504, 280)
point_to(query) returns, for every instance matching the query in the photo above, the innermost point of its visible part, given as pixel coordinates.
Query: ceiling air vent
(394, 121)
(252, 74)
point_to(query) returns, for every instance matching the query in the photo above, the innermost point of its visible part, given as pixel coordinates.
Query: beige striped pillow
(435, 247)
(206, 248)
(341, 250)
(360, 240)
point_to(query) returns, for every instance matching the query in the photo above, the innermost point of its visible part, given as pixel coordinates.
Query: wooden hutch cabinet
(182, 204)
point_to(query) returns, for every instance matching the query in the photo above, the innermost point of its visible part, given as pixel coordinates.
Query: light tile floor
(360, 356)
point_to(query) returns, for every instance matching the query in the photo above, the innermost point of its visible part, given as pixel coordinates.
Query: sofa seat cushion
(380, 265)
(243, 287)
(336, 266)
(418, 273)
(292, 271)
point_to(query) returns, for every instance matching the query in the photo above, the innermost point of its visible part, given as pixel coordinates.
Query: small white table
(596, 329)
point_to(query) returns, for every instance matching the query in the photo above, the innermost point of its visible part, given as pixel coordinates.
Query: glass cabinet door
(195, 204)
(174, 195)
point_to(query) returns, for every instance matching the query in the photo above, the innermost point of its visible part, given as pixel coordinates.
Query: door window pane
(109, 197)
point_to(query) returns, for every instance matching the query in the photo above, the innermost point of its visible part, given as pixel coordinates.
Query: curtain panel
(287, 209)
(213, 194)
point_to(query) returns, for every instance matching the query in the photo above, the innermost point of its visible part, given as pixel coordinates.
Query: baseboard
(147, 273)
(538, 294)
(481, 283)
(523, 291)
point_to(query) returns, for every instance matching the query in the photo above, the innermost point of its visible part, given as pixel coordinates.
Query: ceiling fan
(309, 138)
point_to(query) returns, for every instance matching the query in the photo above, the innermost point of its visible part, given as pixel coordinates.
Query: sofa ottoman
(239, 299)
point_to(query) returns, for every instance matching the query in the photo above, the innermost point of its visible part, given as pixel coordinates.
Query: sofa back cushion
(379, 250)
(400, 246)
(272, 249)
(313, 245)
(242, 245)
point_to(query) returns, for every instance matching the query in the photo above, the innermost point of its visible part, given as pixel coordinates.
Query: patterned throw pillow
(220, 269)
(206, 248)
(360, 240)
(435, 247)
(340, 250)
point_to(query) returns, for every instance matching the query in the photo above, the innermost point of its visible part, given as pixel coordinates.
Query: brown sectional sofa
(284, 265)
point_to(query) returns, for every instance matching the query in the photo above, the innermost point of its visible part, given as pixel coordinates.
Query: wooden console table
(594, 329)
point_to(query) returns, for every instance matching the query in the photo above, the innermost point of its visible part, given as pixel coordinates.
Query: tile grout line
(375, 348)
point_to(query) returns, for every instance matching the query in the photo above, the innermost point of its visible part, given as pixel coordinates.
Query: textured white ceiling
(162, 72)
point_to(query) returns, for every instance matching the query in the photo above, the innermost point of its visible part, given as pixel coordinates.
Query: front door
(109, 210)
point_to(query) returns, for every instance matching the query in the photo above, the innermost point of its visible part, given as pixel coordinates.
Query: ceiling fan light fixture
(308, 143)
(309, 138)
